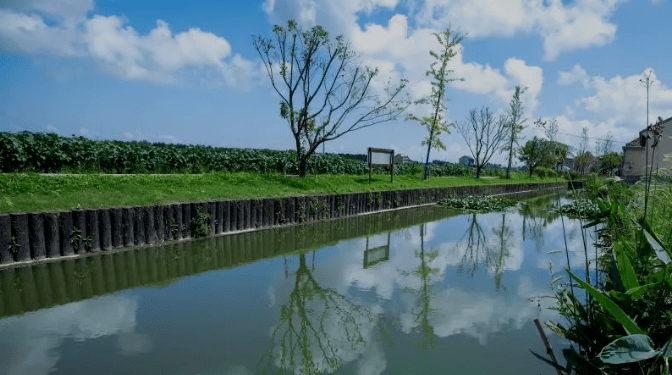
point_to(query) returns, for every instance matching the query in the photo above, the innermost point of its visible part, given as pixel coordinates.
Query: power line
(581, 136)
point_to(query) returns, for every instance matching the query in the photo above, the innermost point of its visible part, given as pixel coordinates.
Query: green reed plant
(624, 326)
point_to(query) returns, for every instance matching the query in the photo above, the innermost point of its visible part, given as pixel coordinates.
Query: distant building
(635, 152)
(401, 158)
(567, 165)
(467, 160)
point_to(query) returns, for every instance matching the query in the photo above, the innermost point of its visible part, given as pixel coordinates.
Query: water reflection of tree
(496, 260)
(536, 216)
(476, 246)
(422, 309)
(317, 326)
(479, 249)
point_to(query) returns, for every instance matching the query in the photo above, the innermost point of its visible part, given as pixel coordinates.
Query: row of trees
(325, 93)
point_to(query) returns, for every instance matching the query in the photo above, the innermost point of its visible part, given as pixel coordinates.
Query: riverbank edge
(29, 238)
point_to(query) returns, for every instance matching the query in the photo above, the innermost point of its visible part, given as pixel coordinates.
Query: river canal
(417, 291)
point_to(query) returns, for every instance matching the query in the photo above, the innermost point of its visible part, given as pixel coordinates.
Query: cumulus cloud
(64, 28)
(616, 104)
(576, 75)
(409, 50)
(335, 16)
(624, 98)
(579, 25)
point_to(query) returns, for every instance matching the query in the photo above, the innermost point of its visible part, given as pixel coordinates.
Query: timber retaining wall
(26, 237)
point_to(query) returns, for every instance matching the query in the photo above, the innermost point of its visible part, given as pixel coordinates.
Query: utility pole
(647, 81)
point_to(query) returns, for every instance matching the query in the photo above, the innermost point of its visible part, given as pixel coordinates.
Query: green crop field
(88, 173)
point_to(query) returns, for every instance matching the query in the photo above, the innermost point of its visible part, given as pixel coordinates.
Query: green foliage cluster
(539, 152)
(48, 153)
(479, 203)
(624, 324)
(544, 172)
(579, 208)
(200, 223)
(609, 162)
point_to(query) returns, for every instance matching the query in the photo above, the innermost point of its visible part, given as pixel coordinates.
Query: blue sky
(186, 71)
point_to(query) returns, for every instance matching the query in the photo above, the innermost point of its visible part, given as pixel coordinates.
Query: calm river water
(419, 291)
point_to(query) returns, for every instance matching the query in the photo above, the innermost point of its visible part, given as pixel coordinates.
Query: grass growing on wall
(31, 192)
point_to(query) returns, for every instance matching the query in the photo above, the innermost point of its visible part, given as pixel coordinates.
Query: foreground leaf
(657, 248)
(609, 305)
(626, 273)
(632, 348)
(667, 349)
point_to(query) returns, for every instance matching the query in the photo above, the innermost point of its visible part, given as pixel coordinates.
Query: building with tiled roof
(639, 151)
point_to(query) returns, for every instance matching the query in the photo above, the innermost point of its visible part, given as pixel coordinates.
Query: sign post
(381, 157)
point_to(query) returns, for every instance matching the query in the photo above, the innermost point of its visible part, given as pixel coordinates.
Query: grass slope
(31, 192)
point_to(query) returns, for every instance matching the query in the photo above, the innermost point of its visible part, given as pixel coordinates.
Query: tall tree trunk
(478, 171)
(508, 168)
(425, 173)
(303, 166)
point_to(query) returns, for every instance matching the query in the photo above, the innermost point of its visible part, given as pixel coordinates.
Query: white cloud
(616, 105)
(577, 74)
(562, 27)
(160, 56)
(409, 50)
(335, 16)
(579, 25)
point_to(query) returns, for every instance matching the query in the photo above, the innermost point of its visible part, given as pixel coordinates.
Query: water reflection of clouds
(443, 248)
(556, 237)
(454, 310)
(479, 315)
(29, 344)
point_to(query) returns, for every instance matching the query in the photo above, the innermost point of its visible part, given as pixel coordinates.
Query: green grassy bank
(31, 192)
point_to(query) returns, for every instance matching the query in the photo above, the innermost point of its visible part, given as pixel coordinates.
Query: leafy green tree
(610, 161)
(515, 126)
(438, 70)
(324, 91)
(557, 150)
(533, 154)
(540, 152)
(483, 135)
(581, 161)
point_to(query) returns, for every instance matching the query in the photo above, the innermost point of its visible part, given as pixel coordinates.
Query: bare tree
(583, 146)
(604, 146)
(438, 70)
(515, 126)
(324, 91)
(483, 135)
(550, 128)
(581, 160)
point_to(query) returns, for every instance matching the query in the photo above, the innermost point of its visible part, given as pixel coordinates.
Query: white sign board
(380, 158)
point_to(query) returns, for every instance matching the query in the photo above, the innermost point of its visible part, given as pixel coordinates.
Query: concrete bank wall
(46, 284)
(26, 237)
